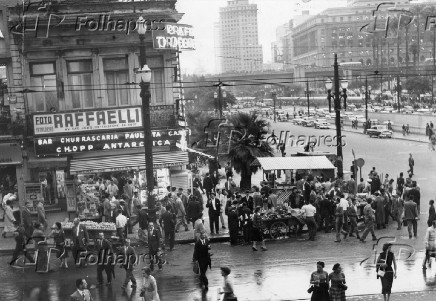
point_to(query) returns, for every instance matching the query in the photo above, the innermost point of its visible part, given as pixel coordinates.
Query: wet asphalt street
(282, 272)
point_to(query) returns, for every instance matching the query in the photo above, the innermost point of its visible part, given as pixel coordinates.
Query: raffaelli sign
(104, 141)
(87, 121)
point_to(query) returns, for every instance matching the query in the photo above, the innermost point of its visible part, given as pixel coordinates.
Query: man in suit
(169, 223)
(214, 206)
(80, 241)
(411, 217)
(105, 256)
(208, 185)
(202, 258)
(154, 242)
(230, 186)
(82, 293)
(248, 199)
(129, 261)
(27, 220)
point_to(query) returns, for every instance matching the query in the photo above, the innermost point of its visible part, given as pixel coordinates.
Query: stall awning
(126, 162)
(308, 162)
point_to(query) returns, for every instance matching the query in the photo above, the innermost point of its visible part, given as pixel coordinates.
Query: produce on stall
(282, 221)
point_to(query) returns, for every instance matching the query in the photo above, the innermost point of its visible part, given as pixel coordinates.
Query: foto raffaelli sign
(105, 141)
(85, 121)
(174, 36)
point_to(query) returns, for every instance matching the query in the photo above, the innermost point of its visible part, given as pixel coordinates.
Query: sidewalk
(395, 135)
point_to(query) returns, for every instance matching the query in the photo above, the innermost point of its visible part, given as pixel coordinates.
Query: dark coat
(213, 212)
(154, 240)
(169, 221)
(143, 219)
(193, 210)
(129, 258)
(232, 218)
(83, 237)
(208, 183)
(201, 253)
(27, 223)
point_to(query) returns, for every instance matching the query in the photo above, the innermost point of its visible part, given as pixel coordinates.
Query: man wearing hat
(233, 222)
(248, 199)
(214, 206)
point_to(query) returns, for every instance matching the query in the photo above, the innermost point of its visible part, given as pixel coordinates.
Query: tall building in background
(217, 47)
(238, 38)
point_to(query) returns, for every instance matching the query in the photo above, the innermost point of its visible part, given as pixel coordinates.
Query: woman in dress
(320, 281)
(227, 288)
(384, 263)
(337, 286)
(9, 219)
(257, 234)
(149, 286)
(58, 236)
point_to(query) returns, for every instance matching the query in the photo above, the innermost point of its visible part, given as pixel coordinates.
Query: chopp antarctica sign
(174, 36)
(106, 141)
(66, 122)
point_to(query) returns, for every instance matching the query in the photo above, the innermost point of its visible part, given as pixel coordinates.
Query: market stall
(93, 228)
(282, 222)
(88, 203)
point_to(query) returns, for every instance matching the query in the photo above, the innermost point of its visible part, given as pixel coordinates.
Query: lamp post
(308, 100)
(328, 86)
(143, 76)
(273, 95)
(344, 86)
(339, 160)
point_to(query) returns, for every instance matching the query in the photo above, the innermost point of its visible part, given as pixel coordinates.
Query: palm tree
(247, 146)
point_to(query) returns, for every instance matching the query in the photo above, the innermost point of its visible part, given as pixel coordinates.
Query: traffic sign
(360, 162)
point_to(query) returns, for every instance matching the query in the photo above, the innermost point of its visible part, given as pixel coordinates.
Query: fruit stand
(93, 228)
(282, 222)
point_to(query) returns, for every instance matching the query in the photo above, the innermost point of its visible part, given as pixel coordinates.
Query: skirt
(321, 293)
(61, 251)
(337, 294)
(256, 234)
(386, 282)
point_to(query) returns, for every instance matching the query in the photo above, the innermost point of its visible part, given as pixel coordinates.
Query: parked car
(297, 120)
(377, 108)
(407, 110)
(322, 124)
(308, 121)
(388, 108)
(380, 131)
(359, 118)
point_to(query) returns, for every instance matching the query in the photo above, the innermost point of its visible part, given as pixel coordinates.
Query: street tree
(418, 85)
(249, 144)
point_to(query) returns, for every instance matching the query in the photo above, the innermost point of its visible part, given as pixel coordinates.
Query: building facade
(238, 38)
(72, 74)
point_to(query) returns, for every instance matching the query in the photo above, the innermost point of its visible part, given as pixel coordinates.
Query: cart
(283, 226)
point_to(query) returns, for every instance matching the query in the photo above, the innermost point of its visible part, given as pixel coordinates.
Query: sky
(202, 14)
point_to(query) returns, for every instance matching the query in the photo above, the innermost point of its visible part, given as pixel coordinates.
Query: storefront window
(43, 80)
(116, 74)
(157, 82)
(80, 84)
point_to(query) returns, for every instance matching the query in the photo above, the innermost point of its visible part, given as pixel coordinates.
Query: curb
(180, 242)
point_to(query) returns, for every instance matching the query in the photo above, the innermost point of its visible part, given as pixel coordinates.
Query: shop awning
(54, 162)
(308, 162)
(126, 162)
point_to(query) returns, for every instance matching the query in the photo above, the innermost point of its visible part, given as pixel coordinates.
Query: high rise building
(238, 38)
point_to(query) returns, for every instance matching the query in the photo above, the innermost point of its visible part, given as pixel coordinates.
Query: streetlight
(143, 76)
(344, 86)
(339, 160)
(328, 86)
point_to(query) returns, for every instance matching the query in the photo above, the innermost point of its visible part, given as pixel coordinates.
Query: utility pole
(339, 159)
(274, 101)
(366, 98)
(308, 100)
(433, 73)
(398, 92)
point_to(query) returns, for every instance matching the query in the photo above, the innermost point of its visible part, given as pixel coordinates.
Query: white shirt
(430, 239)
(121, 221)
(344, 204)
(309, 210)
